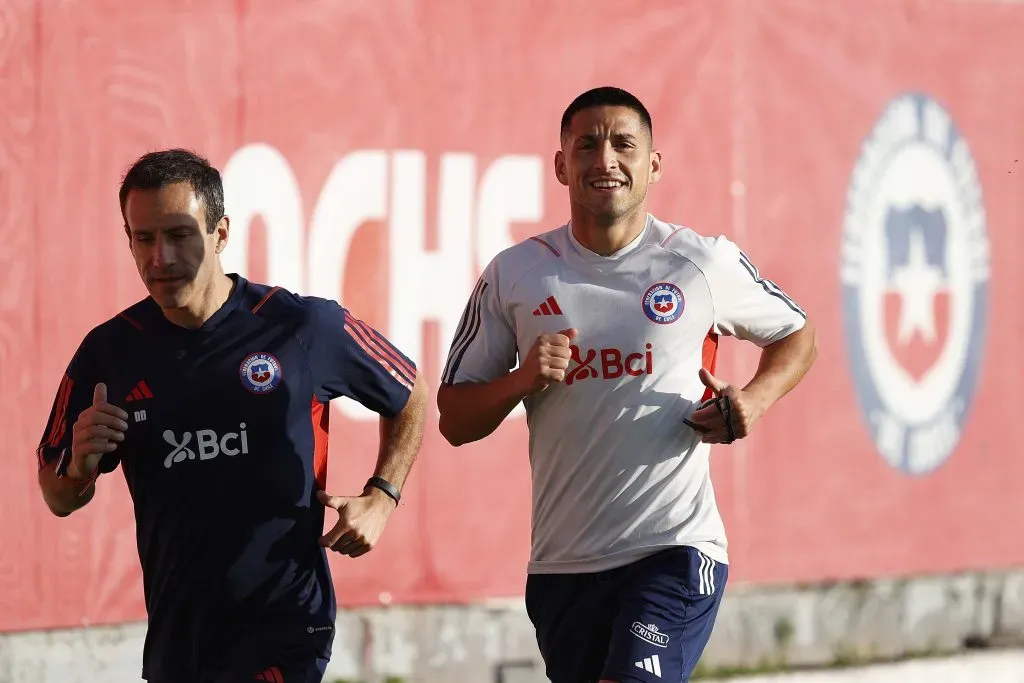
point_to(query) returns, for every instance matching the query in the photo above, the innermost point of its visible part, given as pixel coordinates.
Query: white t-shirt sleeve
(484, 347)
(748, 306)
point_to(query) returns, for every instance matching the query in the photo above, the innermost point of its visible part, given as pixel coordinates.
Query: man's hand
(546, 361)
(732, 404)
(98, 430)
(361, 521)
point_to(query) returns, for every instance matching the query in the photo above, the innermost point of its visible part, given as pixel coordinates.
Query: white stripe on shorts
(707, 575)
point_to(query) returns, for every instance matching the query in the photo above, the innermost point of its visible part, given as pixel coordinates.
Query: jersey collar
(236, 297)
(588, 255)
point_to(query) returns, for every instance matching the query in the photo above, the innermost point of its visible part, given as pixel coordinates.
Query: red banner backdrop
(380, 153)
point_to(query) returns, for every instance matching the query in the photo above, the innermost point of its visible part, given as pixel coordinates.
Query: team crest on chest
(260, 372)
(663, 303)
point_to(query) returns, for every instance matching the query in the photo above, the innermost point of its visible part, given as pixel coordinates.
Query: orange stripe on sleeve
(60, 415)
(709, 358)
(321, 431)
(48, 440)
(371, 351)
(385, 347)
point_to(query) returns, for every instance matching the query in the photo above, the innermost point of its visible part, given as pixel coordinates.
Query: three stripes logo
(707, 575)
(377, 347)
(549, 307)
(769, 286)
(650, 664)
(140, 392)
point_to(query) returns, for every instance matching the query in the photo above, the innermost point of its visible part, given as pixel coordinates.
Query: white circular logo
(915, 272)
(260, 373)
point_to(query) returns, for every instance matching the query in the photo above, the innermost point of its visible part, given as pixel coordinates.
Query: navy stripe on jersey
(468, 328)
(769, 286)
(379, 349)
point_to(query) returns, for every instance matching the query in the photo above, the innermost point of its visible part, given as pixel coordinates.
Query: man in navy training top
(212, 394)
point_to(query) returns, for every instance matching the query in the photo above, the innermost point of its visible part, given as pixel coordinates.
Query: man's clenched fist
(547, 360)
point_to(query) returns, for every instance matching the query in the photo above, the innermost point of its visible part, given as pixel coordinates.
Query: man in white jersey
(613, 320)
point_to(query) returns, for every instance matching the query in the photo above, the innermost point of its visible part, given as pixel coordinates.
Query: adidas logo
(549, 307)
(140, 392)
(650, 664)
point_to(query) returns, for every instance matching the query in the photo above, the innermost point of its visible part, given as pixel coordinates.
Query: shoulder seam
(672, 234)
(513, 283)
(266, 297)
(536, 238)
(130, 320)
(554, 251)
(707, 280)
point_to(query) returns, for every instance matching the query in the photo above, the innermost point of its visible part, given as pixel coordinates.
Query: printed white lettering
(209, 443)
(474, 223)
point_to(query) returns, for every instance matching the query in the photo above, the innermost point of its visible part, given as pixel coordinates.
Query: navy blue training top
(225, 449)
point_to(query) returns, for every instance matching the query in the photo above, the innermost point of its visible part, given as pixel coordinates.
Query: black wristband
(385, 486)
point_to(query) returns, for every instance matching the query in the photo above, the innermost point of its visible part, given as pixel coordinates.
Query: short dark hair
(606, 96)
(156, 170)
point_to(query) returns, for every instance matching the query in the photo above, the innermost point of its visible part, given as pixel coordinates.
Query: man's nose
(163, 253)
(607, 159)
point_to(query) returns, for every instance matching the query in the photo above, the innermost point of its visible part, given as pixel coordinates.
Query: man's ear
(560, 171)
(223, 229)
(655, 166)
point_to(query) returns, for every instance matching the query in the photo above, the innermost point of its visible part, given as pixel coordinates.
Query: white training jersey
(616, 474)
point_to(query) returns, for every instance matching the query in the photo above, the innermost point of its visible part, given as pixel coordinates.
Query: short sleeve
(484, 346)
(748, 306)
(350, 358)
(74, 394)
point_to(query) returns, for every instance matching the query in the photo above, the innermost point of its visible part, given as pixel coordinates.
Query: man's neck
(205, 305)
(605, 239)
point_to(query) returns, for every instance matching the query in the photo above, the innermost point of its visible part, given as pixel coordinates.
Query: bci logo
(609, 363)
(208, 445)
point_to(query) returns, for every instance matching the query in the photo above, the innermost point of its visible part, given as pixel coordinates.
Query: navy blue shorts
(279, 661)
(259, 668)
(645, 622)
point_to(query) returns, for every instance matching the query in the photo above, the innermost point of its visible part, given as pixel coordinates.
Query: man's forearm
(783, 364)
(64, 496)
(471, 411)
(401, 437)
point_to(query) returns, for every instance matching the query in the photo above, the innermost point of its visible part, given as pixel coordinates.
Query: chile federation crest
(663, 303)
(915, 282)
(260, 373)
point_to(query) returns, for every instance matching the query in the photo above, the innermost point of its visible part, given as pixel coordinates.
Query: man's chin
(610, 212)
(169, 295)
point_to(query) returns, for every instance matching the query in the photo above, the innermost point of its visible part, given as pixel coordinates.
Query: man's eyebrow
(615, 136)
